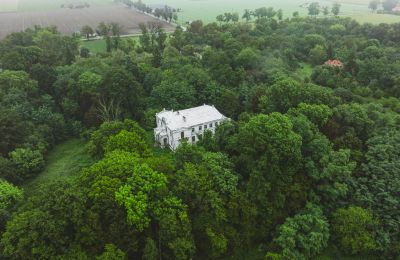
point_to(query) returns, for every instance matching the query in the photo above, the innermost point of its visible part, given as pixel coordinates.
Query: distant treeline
(167, 13)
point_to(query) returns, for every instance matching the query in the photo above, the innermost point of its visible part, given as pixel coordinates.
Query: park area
(69, 21)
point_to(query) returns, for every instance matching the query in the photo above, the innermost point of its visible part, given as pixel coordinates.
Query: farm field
(69, 21)
(194, 9)
(45, 5)
(8, 6)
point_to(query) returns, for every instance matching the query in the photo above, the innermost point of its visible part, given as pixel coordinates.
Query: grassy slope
(64, 161)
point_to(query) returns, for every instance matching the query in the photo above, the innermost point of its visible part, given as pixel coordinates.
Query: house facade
(189, 124)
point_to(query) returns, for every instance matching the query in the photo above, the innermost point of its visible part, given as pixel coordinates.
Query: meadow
(207, 10)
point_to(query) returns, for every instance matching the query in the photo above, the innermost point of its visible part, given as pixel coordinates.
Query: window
(193, 139)
(210, 125)
(200, 127)
(182, 135)
(193, 130)
(216, 123)
(165, 141)
(205, 127)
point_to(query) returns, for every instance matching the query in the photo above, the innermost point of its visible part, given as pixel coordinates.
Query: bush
(27, 162)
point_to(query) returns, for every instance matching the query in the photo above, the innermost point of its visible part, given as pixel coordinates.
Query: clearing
(99, 45)
(64, 161)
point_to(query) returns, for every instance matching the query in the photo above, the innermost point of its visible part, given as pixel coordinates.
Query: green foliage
(10, 195)
(99, 138)
(27, 163)
(111, 252)
(305, 235)
(286, 94)
(309, 138)
(354, 227)
(127, 141)
(377, 187)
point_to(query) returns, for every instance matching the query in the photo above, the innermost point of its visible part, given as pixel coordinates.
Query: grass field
(8, 5)
(64, 161)
(96, 46)
(40, 5)
(207, 10)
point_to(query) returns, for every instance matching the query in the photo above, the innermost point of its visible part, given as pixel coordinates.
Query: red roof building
(334, 63)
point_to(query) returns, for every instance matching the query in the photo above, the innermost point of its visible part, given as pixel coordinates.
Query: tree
(27, 162)
(247, 15)
(116, 30)
(104, 30)
(313, 9)
(279, 14)
(207, 185)
(318, 54)
(373, 5)
(99, 138)
(305, 235)
(269, 158)
(42, 224)
(87, 31)
(388, 5)
(111, 252)
(381, 169)
(354, 227)
(235, 17)
(325, 10)
(288, 93)
(127, 141)
(85, 52)
(336, 8)
(146, 199)
(10, 195)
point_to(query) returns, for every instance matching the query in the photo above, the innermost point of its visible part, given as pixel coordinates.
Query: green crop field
(8, 5)
(43, 5)
(207, 10)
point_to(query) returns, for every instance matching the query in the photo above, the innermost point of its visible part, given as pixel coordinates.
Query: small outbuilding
(189, 124)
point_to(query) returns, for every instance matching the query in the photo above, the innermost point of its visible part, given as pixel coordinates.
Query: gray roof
(190, 117)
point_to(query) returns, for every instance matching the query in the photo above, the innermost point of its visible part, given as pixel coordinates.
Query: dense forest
(309, 164)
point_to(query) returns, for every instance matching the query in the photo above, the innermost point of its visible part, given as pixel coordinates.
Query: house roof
(190, 117)
(335, 63)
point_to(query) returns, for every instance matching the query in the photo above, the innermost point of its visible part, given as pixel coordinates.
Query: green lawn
(64, 161)
(96, 46)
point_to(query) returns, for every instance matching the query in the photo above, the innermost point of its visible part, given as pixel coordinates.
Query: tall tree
(336, 8)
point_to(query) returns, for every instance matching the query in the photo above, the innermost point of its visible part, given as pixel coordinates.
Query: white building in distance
(188, 124)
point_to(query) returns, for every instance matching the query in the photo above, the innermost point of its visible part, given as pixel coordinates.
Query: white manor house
(188, 124)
